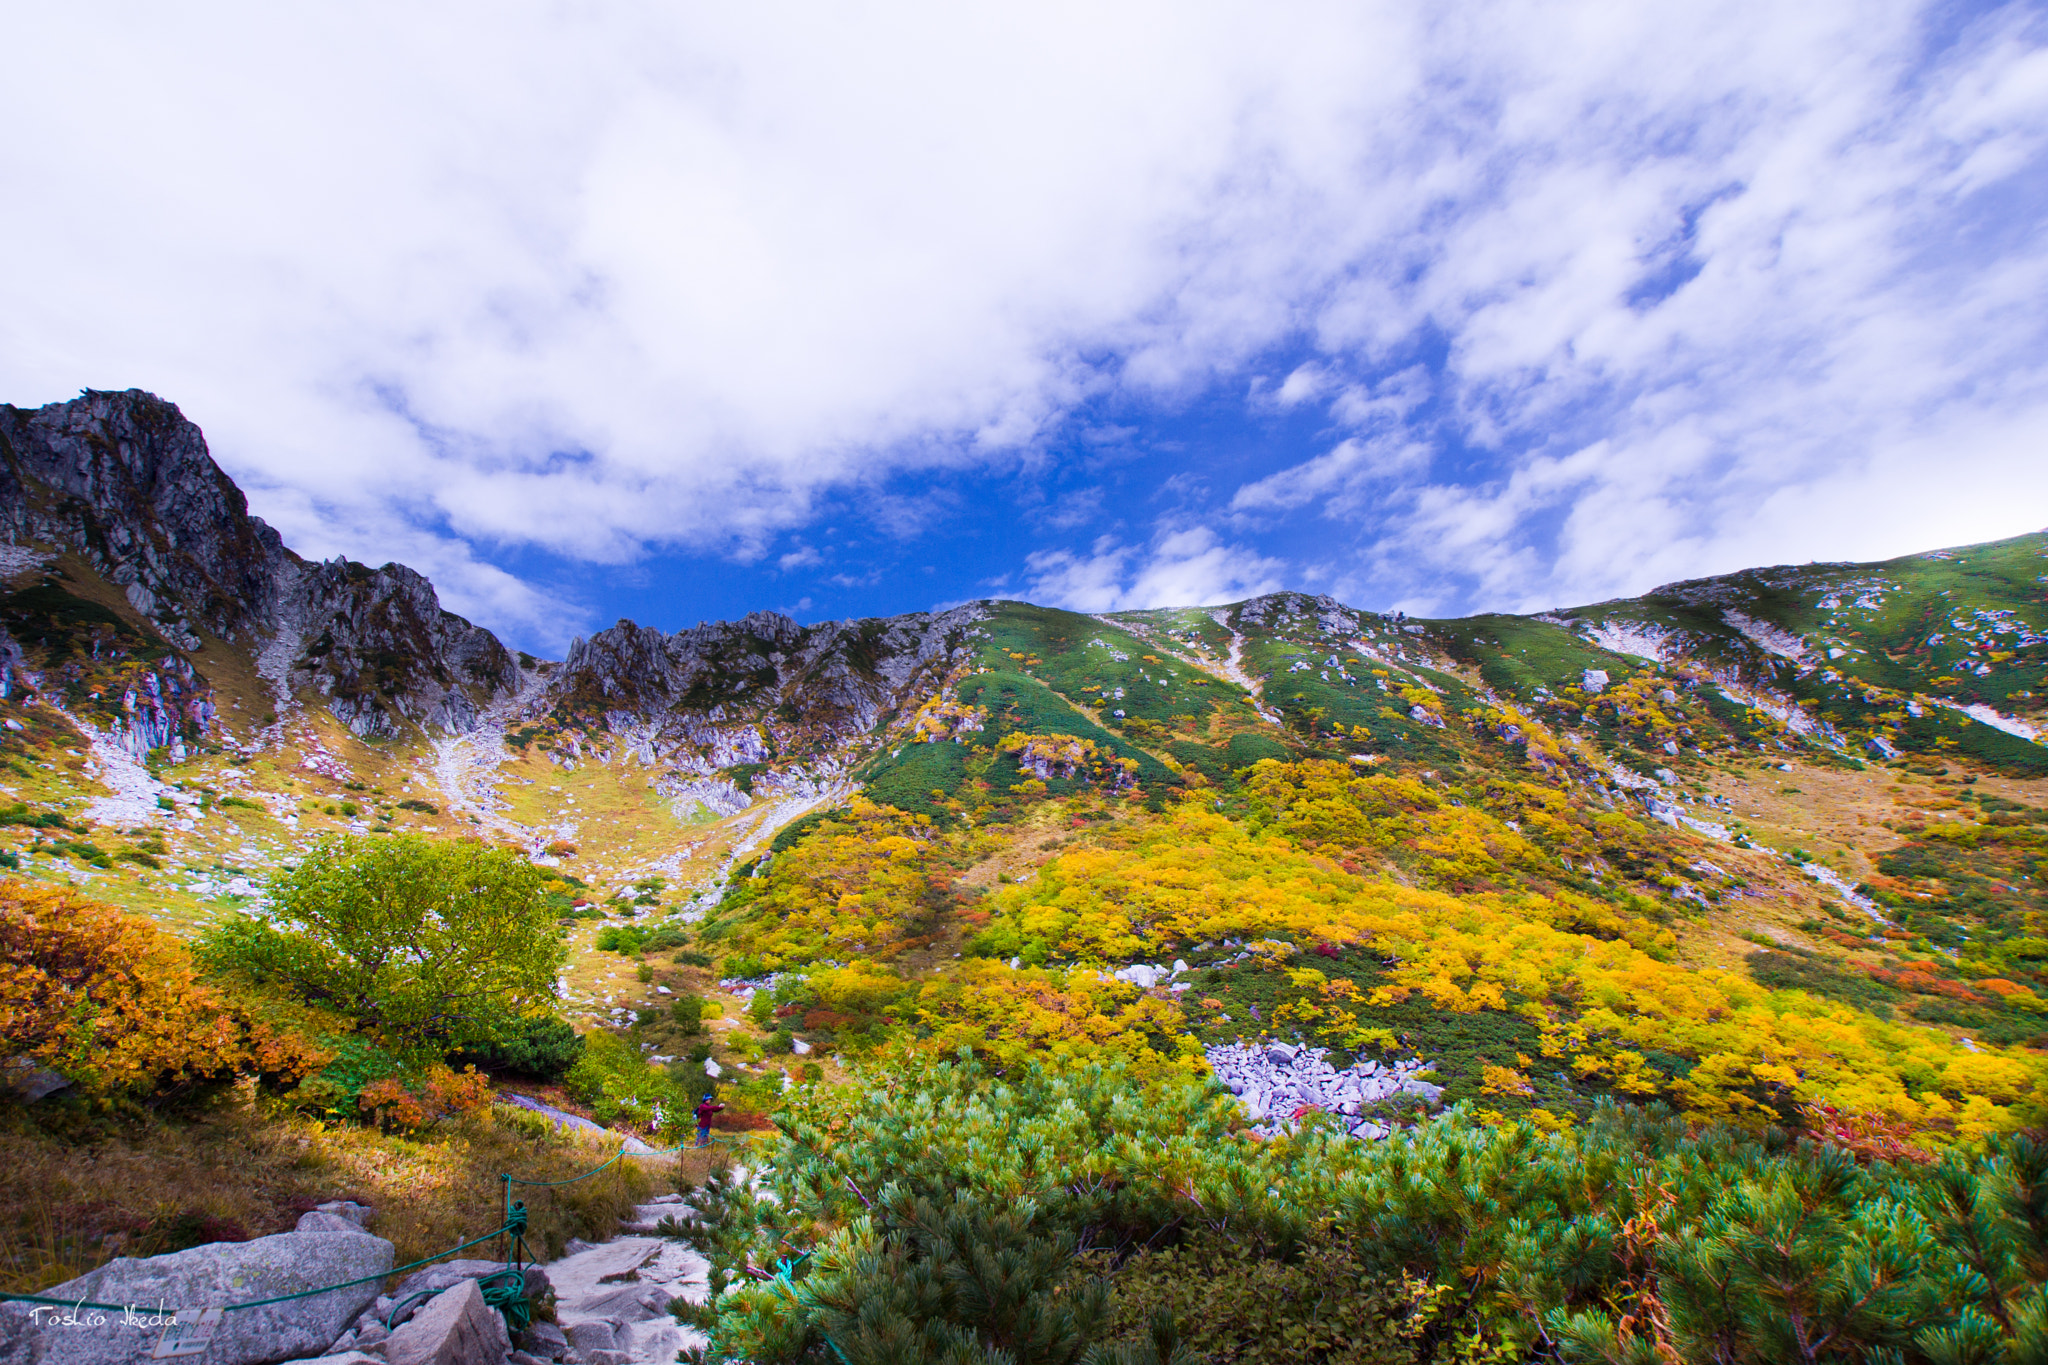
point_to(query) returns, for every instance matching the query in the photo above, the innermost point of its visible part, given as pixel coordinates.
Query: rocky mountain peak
(125, 482)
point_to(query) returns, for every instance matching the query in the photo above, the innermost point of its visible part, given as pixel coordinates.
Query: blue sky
(675, 315)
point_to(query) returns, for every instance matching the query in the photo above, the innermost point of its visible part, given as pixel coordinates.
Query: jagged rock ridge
(758, 689)
(124, 482)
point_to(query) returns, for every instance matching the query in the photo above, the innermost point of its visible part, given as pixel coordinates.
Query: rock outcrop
(455, 1328)
(762, 688)
(125, 483)
(217, 1275)
(1279, 1082)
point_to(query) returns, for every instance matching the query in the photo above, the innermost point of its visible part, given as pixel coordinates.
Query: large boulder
(220, 1274)
(596, 1334)
(544, 1340)
(455, 1328)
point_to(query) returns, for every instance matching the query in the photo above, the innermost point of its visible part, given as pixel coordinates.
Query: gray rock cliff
(125, 482)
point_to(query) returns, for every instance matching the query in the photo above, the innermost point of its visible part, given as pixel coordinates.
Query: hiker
(704, 1112)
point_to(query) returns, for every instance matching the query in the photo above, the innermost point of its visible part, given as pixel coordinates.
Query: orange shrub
(115, 1004)
(414, 1102)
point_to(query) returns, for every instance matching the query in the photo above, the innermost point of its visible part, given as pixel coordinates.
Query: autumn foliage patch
(116, 1005)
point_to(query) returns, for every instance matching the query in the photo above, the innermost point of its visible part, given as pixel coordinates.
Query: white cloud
(1184, 566)
(802, 557)
(599, 279)
(1305, 383)
(1335, 480)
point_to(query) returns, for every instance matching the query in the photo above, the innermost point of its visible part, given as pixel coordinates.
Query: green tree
(430, 944)
(541, 1046)
(917, 1282)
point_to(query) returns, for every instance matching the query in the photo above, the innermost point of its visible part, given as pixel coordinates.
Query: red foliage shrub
(1867, 1137)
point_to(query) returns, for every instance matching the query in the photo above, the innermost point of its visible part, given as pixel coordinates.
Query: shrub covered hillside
(216, 1095)
(1529, 946)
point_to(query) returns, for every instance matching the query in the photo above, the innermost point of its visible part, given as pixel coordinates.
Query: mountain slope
(1818, 779)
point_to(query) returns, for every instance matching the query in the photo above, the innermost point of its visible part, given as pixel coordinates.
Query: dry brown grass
(69, 1205)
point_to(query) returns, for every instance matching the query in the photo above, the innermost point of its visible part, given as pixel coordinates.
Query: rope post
(515, 1228)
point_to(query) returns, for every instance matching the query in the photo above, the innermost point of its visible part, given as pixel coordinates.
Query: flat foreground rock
(213, 1276)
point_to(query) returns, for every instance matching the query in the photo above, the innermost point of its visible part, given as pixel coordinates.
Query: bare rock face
(377, 645)
(754, 690)
(216, 1275)
(124, 481)
(1330, 615)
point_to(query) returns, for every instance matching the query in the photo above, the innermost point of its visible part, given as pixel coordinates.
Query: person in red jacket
(705, 1110)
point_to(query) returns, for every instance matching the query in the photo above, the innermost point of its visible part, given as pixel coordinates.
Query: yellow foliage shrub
(1074, 1017)
(115, 1004)
(858, 886)
(1592, 979)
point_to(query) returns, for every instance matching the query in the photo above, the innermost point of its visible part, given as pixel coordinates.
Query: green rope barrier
(308, 1293)
(511, 1179)
(280, 1298)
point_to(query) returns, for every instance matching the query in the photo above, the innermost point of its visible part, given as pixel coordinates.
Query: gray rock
(317, 1221)
(629, 1303)
(371, 1333)
(594, 1335)
(522, 1358)
(544, 1339)
(612, 1358)
(1282, 1053)
(1431, 1093)
(30, 1082)
(346, 1358)
(217, 1275)
(455, 1328)
(359, 1214)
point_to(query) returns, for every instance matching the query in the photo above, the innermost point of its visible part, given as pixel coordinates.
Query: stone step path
(612, 1298)
(611, 1307)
